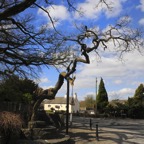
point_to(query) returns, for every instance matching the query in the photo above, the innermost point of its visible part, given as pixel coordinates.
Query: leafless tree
(124, 42)
(24, 47)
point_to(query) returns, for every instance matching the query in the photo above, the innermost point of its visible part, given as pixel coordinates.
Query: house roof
(59, 100)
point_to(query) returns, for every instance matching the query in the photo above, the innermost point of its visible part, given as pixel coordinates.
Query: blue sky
(121, 77)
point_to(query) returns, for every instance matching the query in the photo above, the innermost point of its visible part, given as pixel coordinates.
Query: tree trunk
(51, 92)
(47, 94)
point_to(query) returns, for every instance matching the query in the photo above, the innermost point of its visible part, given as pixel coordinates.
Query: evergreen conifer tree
(139, 92)
(136, 103)
(102, 97)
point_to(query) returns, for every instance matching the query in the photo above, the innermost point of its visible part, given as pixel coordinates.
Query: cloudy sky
(121, 76)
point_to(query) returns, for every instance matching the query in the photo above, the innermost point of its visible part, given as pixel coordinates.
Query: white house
(60, 104)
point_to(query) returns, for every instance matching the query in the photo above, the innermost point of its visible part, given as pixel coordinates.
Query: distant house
(60, 104)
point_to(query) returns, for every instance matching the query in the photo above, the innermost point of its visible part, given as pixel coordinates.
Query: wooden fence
(14, 107)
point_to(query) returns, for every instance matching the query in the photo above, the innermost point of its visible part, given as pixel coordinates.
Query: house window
(49, 105)
(58, 107)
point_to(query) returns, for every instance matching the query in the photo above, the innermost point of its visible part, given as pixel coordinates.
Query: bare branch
(16, 9)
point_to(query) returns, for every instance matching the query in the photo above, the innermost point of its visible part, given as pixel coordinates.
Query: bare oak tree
(23, 47)
(124, 42)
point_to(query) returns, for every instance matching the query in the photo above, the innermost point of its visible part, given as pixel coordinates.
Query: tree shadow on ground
(105, 136)
(119, 137)
(85, 136)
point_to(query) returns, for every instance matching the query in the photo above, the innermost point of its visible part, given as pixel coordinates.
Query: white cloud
(141, 21)
(123, 74)
(126, 90)
(118, 81)
(120, 78)
(116, 9)
(90, 9)
(115, 72)
(141, 6)
(125, 19)
(121, 94)
(58, 13)
(137, 83)
(44, 80)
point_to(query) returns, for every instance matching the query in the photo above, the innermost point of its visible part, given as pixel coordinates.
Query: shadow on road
(119, 132)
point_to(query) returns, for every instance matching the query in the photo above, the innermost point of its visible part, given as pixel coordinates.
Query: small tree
(102, 97)
(89, 101)
(117, 108)
(82, 104)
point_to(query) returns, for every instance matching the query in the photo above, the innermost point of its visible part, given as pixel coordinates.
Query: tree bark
(51, 92)
(47, 94)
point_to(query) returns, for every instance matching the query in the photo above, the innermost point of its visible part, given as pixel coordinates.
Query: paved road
(111, 131)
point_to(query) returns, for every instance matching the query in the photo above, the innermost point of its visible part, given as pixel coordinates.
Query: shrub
(10, 123)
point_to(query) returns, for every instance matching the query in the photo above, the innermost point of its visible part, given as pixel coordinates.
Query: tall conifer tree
(102, 97)
(139, 93)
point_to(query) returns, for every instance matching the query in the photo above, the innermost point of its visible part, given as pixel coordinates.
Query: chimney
(75, 96)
